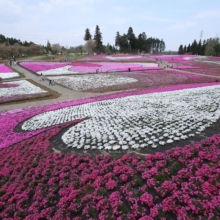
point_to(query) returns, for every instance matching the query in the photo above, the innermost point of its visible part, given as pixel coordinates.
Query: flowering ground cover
(19, 90)
(10, 120)
(117, 57)
(87, 82)
(170, 58)
(148, 79)
(135, 121)
(7, 73)
(58, 68)
(208, 71)
(42, 66)
(183, 67)
(182, 183)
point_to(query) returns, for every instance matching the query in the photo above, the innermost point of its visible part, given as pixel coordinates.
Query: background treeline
(125, 43)
(208, 47)
(12, 47)
(140, 44)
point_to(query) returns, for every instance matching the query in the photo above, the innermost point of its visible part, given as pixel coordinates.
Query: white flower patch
(148, 64)
(128, 122)
(123, 58)
(9, 75)
(24, 88)
(84, 82)
(57, 71)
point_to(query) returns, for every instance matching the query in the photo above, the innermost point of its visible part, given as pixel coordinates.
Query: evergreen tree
(199, 48)
(48, 47)
(194, 47)
(180, 51)
(141, 42)
(184, 49)
(188, 50)
(203, 47)
(131, 39)
(87, 36)
(117, 39)
(98, 39)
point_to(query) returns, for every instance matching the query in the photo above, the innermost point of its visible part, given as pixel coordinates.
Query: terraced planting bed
(144, 153)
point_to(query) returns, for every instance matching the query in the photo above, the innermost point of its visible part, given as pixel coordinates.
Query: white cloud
(155, 19)
(183, 25)
(10, 6)
(208, 14)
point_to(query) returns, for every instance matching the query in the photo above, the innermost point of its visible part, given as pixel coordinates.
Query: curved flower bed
(36, 183)
(7, 73)
(59, 68)
(11, 119)
(117, 57)
(178, 184)
(135, 121)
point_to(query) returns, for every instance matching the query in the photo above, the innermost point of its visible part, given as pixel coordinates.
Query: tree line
(12, 47)
(125, 43)
(208, 47)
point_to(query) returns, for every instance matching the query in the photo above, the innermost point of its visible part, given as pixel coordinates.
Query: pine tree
(49, 47)
(180, 51)
(131, 39)
(184, 49)
(188, 50)
(98, 39)
(200, 48)
(87, 36)
(194, 47)
(117, 39)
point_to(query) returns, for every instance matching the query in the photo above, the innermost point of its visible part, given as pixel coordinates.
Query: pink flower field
(208, 71)
(117, 57)
(6, 72)
(155, 78)
(41, 66)
(37, 183)
(5, 69)
(53, 68)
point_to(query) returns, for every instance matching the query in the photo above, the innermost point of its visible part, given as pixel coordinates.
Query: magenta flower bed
(104, 57)
(153, 78)
(208, 71)
(35, 183)
(184, 67)
(139, 68)
(41, 66)
(8, 85)
(178, 184)
(11, 119)
(214, 58)
(175, 58)
(110, 67)
(86, 67)
(5, 69)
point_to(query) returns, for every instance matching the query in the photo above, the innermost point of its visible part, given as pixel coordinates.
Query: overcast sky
(64, 21)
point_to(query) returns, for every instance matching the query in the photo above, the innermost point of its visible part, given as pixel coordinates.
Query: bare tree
(56, 48)
(90, 46)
